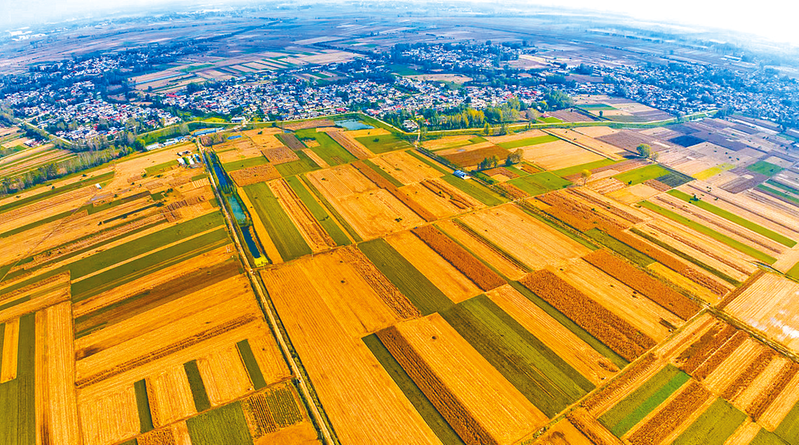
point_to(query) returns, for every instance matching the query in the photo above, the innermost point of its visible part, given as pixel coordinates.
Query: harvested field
(301, 125)
(170, 396)
(482, 249)
(224, 376)
(768, 305)
(56, 403)
(385, 184)
(591, 429)
(371, 211)
(309, 227)
(291, 141)
(583, 140)
(574, 351)
(445, 276)
(109, 418)
(781, 407)
(279, 155)
(607, 327)
(558, 155)
(563, 433)
(438, 198)
(644, 283)
(528, 240)
(405, 168)
(480, 274)
(642, 314)
(254, 175)
(362, 402)
(632, 194)
(350, 144)
(475, 399)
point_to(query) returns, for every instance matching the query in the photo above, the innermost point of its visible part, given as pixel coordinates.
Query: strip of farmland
(288, 240)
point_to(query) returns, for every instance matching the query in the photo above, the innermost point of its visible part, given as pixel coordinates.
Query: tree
(585, 174)
(644, 150)
(514, 158)
(487, 129)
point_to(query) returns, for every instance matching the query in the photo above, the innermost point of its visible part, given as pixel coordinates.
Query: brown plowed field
(280, 155)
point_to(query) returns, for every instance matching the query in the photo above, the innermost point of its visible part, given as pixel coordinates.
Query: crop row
(759, 405)
(385, 184)
(512, 192)
(612, 209)
(708, 343)
(485, 278)
(749, 374)
(701, 249)
(720, 355)
(455, 199)
(578, 215)
(639, 280)
(456, 414)
(348, 144)
(669, 261)
(606, 326)
(671, 416)
(588, 427)
(741, 289)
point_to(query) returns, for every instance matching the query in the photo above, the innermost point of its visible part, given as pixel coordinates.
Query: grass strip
(305, 164)
(198, 392)
(284, 234)
(735, 244)
(581, 333)
(575, 170)
(244, 163)
(318, 212)
(412, 283)
(256, 377)
(642, 174)
(639, 403)
(225, 425)
(536, 371)
(429, 414)
(475, 190)
(383, 143)
(143, 406)
(729, 216)
(778, 193)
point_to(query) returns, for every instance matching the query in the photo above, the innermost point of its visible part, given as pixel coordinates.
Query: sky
(773, 19)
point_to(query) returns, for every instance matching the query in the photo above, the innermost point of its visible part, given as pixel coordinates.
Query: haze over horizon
(771, 19)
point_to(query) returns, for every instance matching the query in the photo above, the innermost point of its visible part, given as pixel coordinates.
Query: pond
(238, 212)
(352, 124)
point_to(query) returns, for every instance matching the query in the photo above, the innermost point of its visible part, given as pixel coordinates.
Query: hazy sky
(775, 19)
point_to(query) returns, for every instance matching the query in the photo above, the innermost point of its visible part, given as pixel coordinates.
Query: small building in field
(461, 174)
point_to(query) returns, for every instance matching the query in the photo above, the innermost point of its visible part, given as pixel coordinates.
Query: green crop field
(327, 222)
(714, 426)
(412, 283)
(571, 326)
(475, 190)
(639, 403)
(329, 150)
(431, 416)
(528, 141)
(575, 170)
(384, 143)
(145, 244)
(729, 216)
(788, 429)
(253, 370)
(225, 425)
(549, 120)
(779, 193)
(765, 168)
(17, 396)
(244, 163)
(642, 174)
(536, 371)
(539, 183)
(764, 437)
(148, 264)
(284, 234)
(735, 244)
(305, 164)
(143, 406)
(198, 392)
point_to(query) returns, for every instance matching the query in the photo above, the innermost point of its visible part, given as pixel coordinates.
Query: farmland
(317, 283)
